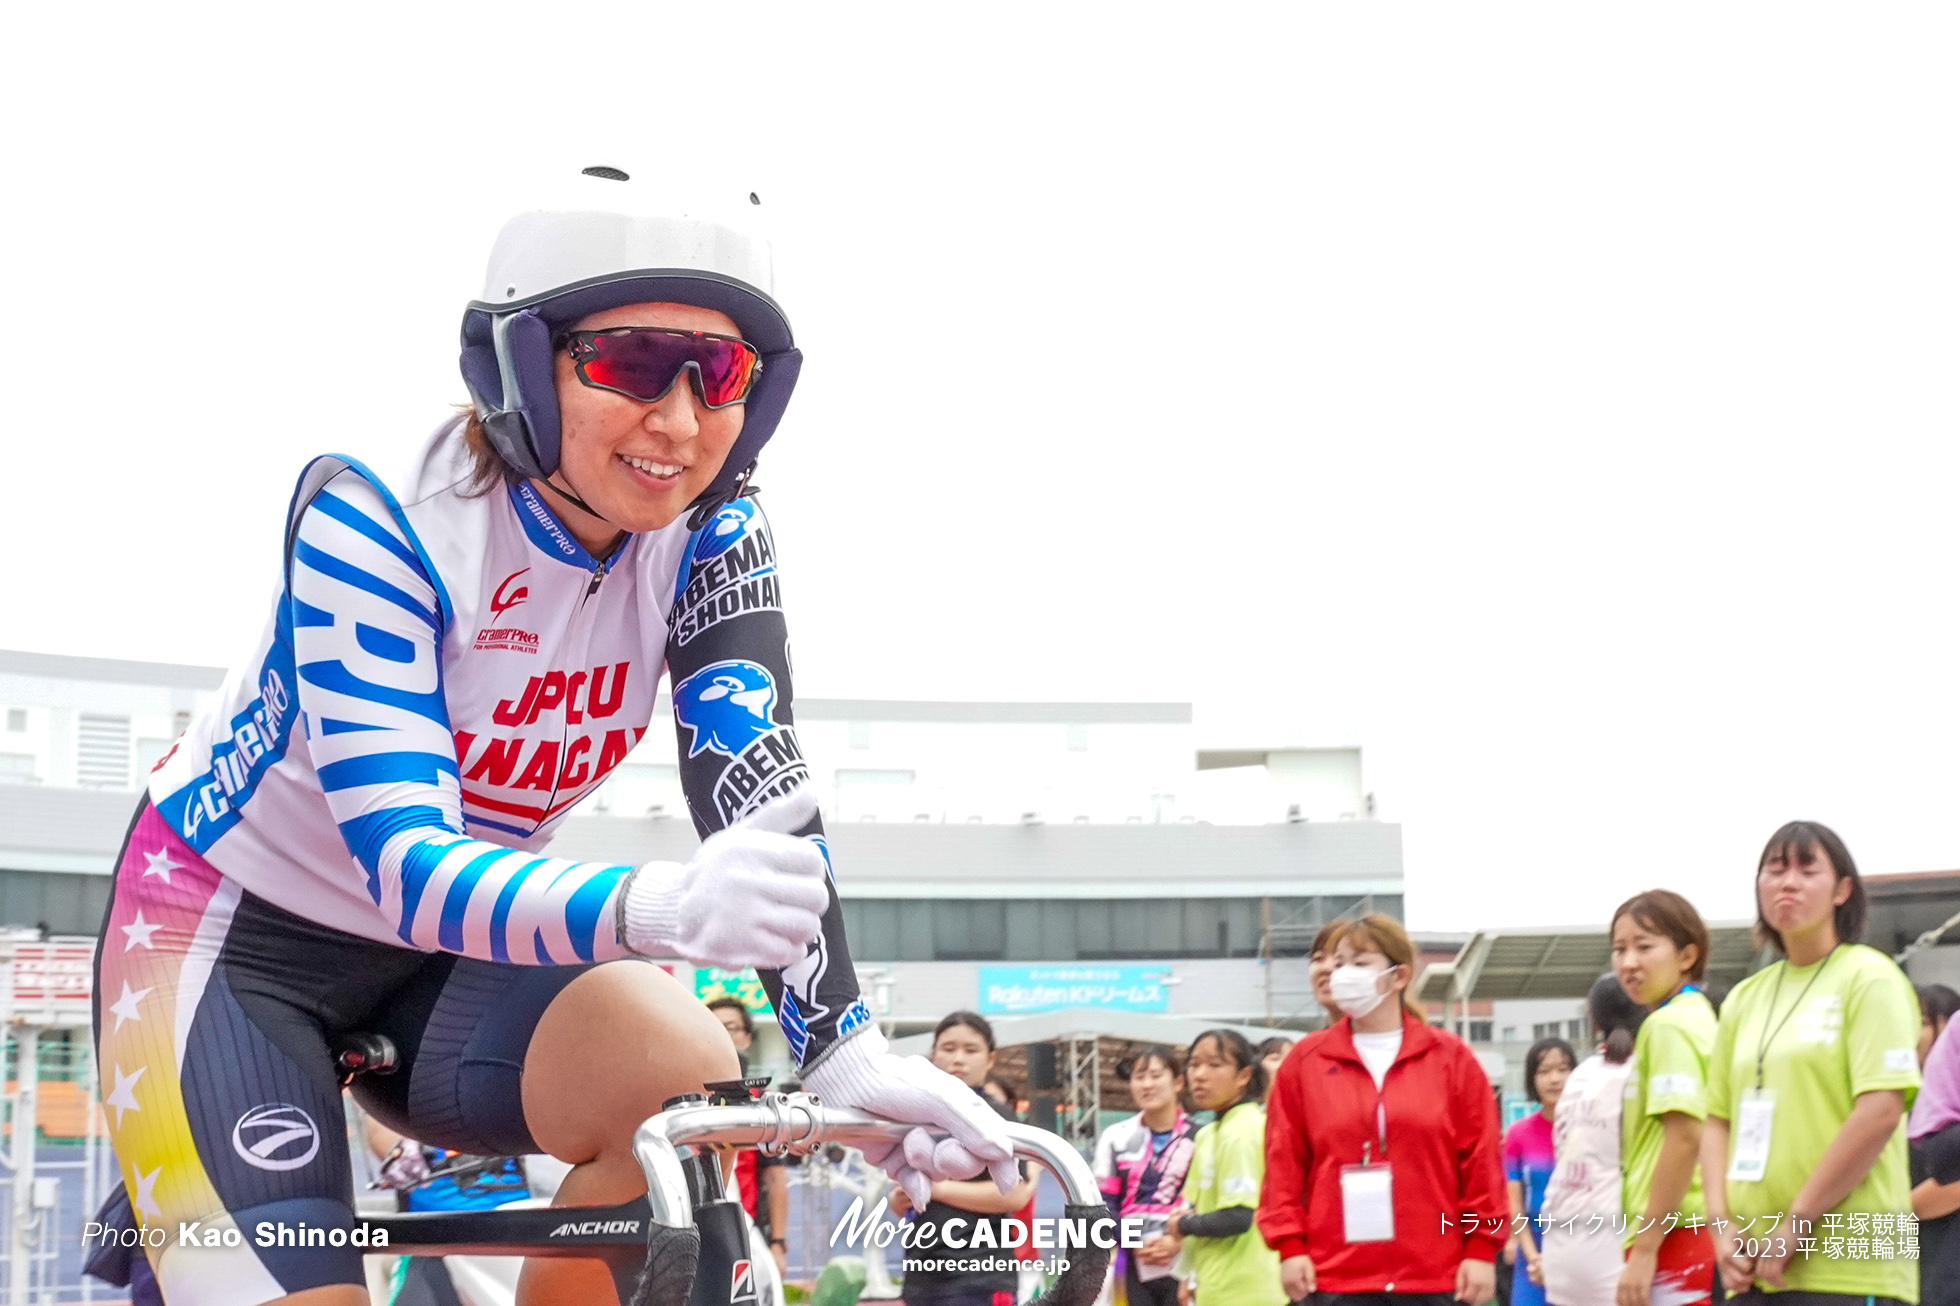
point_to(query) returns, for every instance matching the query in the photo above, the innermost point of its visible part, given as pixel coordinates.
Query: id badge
(1367, 1204)
(1752, 1134)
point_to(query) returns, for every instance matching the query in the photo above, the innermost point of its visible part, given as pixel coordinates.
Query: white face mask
(1357, 989)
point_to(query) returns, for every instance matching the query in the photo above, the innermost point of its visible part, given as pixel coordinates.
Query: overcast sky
(1558, 401)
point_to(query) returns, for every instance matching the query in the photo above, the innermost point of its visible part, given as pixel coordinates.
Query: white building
(966, 834)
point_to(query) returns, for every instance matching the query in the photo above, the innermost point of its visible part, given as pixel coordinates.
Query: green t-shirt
(1228, 1161)
(1670, 1073)
(1856, 1031)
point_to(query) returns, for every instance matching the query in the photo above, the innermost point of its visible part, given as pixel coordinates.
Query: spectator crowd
(1797, 1138)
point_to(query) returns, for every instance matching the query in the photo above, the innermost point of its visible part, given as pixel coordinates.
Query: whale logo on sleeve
(726, 706)
(724, 530)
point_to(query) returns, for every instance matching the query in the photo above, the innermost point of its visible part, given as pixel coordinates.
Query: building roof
(1562, 963)
(47, 828)
(970, 860)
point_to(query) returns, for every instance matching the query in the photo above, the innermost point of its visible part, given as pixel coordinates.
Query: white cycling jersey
(445, 675)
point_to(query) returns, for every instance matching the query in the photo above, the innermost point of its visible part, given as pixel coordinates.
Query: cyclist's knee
(613, 1046)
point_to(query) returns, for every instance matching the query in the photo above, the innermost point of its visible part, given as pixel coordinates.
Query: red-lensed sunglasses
(643, 363)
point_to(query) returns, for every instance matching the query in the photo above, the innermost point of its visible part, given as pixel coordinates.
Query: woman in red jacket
(1382, 1170)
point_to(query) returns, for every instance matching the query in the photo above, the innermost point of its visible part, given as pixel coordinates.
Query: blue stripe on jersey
(500, 913)
(305, 614)
(538, 949)
(333, 726)
(419, 864)
(456, 903)
(360, 469)
(336, 678)
(348, 574)
(367, 834)
(385, 768)
(499, 825)
(384, 644)
(582, 912)
(353, 518)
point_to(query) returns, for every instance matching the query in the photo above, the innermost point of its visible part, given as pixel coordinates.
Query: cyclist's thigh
(614, 1039)
(615, 1045)
(220, 1094)
(462, 1027)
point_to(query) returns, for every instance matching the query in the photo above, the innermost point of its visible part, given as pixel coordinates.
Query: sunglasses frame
(571, 341)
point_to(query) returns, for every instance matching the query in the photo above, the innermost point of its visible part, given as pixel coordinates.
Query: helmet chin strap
(578, 503)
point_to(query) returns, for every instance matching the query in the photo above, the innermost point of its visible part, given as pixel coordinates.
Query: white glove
(861, 1072)
(754, 895)
(406, 1167)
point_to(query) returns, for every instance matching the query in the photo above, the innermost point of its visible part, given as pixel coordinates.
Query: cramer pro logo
(729, 708)
(276, 1136)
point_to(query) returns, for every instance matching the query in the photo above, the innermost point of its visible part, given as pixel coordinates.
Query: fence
(55, 1173)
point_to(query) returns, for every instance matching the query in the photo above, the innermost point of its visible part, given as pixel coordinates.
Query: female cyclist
(349, 837)
(1814, 1065)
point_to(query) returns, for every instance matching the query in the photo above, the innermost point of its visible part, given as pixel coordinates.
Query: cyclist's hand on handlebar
(754, 895)
(862, 1072)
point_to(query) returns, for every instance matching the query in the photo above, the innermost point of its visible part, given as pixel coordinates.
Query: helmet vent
(754, 198)
(601, 170)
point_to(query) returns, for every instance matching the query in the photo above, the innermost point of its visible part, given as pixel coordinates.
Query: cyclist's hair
(725, 1003)
(1143, 1056)
(1384, 934)
(1535, 1059)
(1937, 1003)
(487, 467)
(973, 1020)
(1615, 1015)
(1803, 842)
(1008, 1090)
(1667, 913)
(1235, 1048)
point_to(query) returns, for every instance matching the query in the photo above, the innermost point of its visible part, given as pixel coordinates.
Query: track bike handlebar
(799, 1123)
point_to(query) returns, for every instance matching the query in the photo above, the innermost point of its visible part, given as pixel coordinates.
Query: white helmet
(548, 269)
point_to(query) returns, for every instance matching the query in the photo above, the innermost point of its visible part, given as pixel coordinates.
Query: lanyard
(1381, 1122)
(1769, 1034)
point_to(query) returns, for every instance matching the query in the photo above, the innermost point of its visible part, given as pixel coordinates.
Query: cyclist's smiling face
(679, 444)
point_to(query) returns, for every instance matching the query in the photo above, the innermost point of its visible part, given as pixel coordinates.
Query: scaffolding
(1081, 1123)
(1285, 941)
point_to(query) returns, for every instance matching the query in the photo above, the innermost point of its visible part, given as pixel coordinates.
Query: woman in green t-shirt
(1224, 1251)
(1660, 950)
(1804, 1152)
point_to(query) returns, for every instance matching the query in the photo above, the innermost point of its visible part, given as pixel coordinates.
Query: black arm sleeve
(1937, 1156)
(1225, 1222)
(728, 657)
